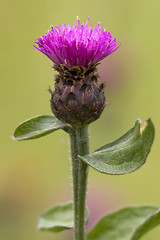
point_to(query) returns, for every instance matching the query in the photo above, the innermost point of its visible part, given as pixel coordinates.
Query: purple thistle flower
(78, 98)
(77, 45)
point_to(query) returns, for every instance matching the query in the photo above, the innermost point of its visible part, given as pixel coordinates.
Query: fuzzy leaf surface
(129, 223)
(59, 218)
(37, 127)
(126, 154)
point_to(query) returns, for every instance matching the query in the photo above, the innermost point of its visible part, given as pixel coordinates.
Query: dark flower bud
(78, 99)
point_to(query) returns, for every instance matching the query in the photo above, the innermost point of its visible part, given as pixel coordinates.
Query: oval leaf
(126, 154)
(151, 222)
(37, 127)
(129, 223)
(59, 218)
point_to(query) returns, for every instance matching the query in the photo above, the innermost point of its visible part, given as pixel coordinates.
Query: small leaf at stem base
(59, 218)
(126, 154)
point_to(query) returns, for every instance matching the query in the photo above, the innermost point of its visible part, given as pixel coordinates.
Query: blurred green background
(37, 174)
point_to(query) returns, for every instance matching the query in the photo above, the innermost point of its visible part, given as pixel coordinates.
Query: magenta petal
(77, 44)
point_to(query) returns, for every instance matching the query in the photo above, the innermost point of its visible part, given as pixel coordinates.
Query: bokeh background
(37, 174)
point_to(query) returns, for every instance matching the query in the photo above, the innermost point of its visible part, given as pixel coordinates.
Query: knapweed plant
(76, 101)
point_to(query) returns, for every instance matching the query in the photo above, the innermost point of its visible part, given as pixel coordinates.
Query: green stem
(75, 165)
(79, 146)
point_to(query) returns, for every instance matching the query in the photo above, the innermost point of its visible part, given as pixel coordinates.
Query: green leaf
(59, 218)
(151, 222)
(129, 223)
(37, 127)
(126, 154)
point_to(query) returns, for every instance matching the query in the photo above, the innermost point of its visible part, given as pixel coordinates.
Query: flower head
(78, 98)
(77, 45)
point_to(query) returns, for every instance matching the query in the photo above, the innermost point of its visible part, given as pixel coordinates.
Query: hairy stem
(79, 146)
